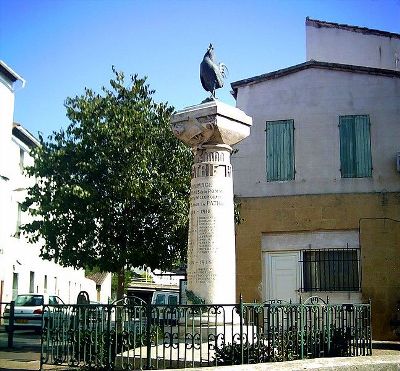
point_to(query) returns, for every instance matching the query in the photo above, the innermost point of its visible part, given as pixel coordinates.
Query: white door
(282, 276)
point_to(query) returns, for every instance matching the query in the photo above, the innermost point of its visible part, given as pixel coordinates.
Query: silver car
(28, 311)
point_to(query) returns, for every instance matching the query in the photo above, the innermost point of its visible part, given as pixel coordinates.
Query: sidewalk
(385, 357)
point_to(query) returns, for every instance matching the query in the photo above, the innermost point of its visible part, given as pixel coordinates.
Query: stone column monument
(211, 129)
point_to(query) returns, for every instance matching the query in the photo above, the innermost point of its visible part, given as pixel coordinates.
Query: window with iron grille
(280, 150)
(331, 270)
(355, 146)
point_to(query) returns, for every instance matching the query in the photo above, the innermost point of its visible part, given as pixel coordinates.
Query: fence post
(11, 325)
(109, 342)
(302, 323)
(328, 323)
(369, 326)
(148, 336)
(241, 329)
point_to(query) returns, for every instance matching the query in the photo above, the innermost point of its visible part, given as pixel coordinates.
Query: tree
(112, 188)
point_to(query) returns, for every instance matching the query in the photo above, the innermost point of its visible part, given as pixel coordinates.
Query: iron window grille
(331, 270)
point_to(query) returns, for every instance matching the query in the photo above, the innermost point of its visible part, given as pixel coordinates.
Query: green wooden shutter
(363, 146)
(355, 146)
(280, 150)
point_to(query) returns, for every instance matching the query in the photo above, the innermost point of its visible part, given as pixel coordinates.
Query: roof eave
(10, 73)
(311, 64)
(363, 30)
(25, 136)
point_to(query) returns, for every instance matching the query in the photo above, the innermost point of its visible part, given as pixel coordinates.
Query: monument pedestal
(224, 328)
(211, 129)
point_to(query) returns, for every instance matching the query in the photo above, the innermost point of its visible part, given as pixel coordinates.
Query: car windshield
(173, 300)
(29, 300)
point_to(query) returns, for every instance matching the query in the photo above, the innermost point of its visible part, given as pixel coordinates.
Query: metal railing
(7, 320)
(129, 335)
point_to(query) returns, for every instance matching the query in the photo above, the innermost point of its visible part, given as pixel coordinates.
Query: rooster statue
(212, 74)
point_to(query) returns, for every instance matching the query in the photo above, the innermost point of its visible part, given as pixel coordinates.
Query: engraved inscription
(201, 194)
(206, 226)
(208, 201)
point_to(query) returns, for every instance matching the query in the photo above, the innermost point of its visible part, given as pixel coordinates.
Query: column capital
(211, 123)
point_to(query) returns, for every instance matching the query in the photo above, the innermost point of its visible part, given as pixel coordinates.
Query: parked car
(28, 311)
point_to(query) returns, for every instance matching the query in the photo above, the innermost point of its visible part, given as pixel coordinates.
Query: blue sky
(61, 46)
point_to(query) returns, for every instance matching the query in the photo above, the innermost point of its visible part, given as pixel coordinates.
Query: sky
(62, 46)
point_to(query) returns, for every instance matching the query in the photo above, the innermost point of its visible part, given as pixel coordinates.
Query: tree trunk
(121, 283)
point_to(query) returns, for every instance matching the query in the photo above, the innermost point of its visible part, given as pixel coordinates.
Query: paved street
(25, 354)
(26, 340)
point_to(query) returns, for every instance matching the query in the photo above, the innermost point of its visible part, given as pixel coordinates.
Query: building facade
(22, 270)
(318, 179)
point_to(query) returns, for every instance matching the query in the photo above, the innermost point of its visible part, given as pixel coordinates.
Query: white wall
(16, 254)
(6, 117)
(105, 293)
(21, 257)
(331, 44)
(314, 99)
(6, 120)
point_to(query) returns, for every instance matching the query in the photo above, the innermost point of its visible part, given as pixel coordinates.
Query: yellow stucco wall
(380, 254)
(318, 213)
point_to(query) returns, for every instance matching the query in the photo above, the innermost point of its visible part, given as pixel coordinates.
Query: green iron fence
(132, 335)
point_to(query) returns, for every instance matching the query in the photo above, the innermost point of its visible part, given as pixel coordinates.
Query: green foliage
(286, 347)
(237, 206)
(92, 270)
(231, 354)
(147, 277)
(193, 298)
(112, 188)
(128, 275)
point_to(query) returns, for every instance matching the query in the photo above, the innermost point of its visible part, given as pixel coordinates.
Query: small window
(331, 270)
(280, 150)
(172, 300)
(18, 225)
(31, 281)
(355, 146)
(160, 299)
(15, 285)
(21, 160)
